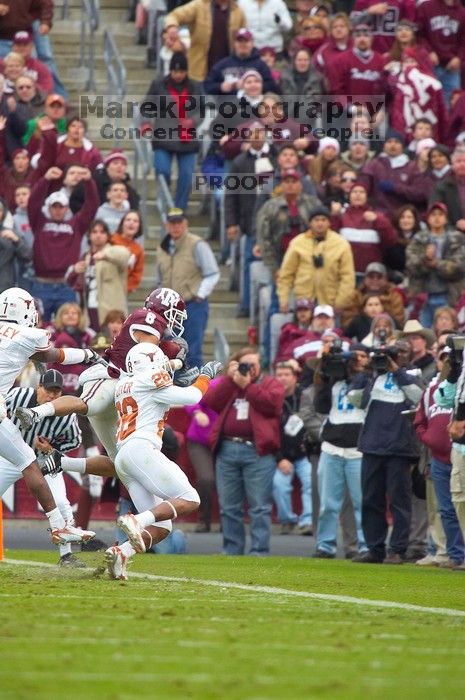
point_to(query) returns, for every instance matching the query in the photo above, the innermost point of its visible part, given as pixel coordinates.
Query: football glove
(211, 369)
(186, 377)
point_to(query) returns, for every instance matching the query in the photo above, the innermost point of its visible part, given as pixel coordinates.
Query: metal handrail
(90, 20)
(164, 200)
(143, 159)
(116, 76)
(65, 9)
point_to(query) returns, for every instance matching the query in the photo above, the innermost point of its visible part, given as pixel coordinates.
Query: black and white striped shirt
(62, 432)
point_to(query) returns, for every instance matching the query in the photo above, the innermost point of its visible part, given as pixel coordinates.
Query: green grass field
(74, 634)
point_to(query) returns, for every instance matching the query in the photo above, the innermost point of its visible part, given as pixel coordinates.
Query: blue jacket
(385, 430)
(232, 65)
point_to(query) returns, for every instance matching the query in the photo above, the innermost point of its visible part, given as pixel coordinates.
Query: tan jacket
(197, 15)
(333, 283)
(111, 275)
(180, 271)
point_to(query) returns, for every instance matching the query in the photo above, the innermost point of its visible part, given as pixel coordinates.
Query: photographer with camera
(340, 461)
(451, 394)
(300, 426)
(385, 391)
(245, 438)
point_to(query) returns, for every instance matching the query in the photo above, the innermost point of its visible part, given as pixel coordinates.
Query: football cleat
(133, 530)
(69, 561)
(116, 563)
(68, 533)
(27, 417)
(50, 463)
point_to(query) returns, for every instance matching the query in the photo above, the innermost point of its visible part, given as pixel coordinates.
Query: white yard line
(271, 590)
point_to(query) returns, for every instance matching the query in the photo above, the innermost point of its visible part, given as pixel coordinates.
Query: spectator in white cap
(114, 169)
(328, 154)
(268, 20)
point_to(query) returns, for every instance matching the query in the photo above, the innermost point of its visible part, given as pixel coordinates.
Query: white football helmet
(18, 306)
(146, 356)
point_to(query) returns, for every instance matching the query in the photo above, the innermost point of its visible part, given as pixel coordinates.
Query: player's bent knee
(164, 524)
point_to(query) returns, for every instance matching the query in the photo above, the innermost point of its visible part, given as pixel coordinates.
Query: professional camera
(244, 368)
(334, 362)
(318, 260)
(456, 343)
(379, 359)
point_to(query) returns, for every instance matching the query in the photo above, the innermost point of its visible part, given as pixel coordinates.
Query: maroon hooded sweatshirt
(57, 245)
(406, 184)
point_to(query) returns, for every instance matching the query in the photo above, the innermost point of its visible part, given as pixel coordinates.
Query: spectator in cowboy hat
(435, 263)
(420, 340)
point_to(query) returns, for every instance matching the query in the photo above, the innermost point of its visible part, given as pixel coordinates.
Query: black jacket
(103, 183)
(447, 191)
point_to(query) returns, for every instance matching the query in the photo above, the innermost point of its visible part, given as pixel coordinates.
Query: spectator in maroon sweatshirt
(431, 423)
(384, 18)
(359, 70)
(57, 237)
(405, 37)
(18, 15)
(72, 147)
(23, 44)
(369, 232)
(391, 179)
(339, 40)
(441, 29)
(456, 131)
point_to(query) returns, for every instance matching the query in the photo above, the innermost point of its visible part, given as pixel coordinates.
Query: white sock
(73, 464)
(64, 549)
(127, 549)
(46, 409)
(145, 519)
(56, 519)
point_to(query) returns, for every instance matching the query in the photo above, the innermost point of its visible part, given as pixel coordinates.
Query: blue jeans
(440, 476)
(43, 49)
(282, 490)
(174, 543)
(333, 474)
(450, 80)
(242, 474)
(246, 259)
(6, 45)
(163, 161)
(433, 302)
(194, 330)
(52, 296)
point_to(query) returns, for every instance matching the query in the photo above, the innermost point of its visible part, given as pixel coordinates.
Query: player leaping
(158, 487)
(164, 312)
(20, 341)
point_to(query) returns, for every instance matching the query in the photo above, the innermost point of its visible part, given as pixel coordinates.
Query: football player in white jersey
(20, 341)
(158, 487)
(164, 311)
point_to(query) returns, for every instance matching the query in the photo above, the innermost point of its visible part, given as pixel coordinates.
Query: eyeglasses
(348, 179)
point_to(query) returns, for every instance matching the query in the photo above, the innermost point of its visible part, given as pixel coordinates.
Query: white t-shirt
(17, 345)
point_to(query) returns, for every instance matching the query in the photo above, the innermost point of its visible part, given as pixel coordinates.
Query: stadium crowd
(350, 249)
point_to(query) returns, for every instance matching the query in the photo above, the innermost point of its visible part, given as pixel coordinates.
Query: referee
(53, 432)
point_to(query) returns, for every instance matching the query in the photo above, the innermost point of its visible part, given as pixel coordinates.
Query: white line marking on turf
(271, 590)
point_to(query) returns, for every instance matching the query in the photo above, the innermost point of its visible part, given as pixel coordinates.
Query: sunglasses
(348, 179)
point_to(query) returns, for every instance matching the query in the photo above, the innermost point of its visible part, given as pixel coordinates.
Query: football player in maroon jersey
(162, 315)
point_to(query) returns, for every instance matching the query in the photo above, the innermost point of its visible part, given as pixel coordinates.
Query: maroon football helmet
(168, 304)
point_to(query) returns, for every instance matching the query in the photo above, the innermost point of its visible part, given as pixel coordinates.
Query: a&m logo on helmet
(168, 297)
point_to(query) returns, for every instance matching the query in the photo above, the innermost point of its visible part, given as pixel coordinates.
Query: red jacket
(266, 399)
(431, 424)
(384, 25)
(324, 59)
(369, 240)
(351, 74)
